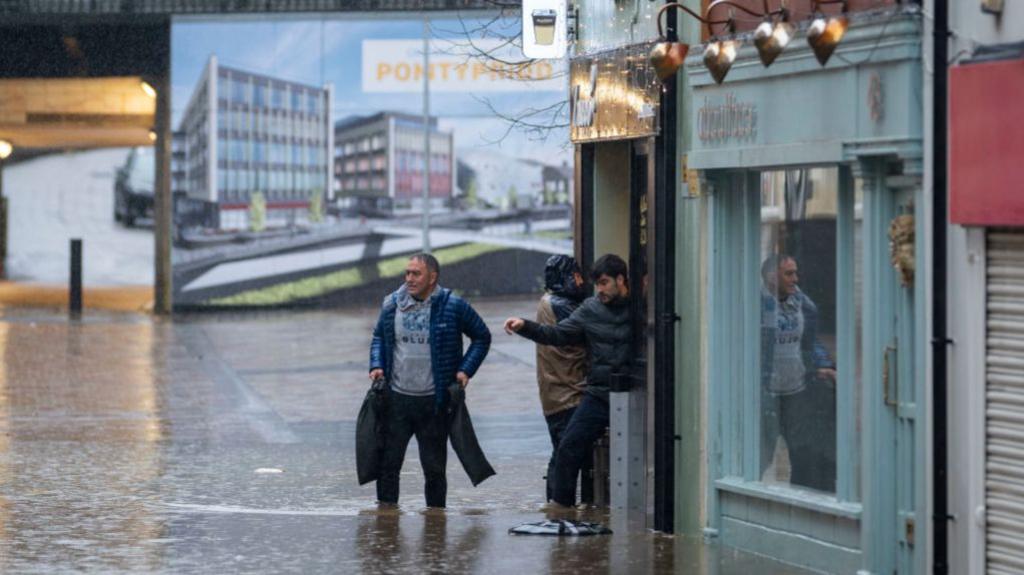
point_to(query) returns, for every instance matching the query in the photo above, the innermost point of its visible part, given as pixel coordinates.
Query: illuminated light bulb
(719, 56)
(771, 39)
(824, 35)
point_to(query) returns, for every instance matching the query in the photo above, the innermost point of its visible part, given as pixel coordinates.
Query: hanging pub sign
(545, 28)
(613, 95)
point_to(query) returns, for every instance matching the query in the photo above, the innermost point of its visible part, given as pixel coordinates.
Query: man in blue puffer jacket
(417, 349)
(798, 393)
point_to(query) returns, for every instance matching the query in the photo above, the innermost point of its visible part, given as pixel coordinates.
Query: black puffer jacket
(605, 329)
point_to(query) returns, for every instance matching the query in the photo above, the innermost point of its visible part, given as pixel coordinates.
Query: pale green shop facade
(858, 121)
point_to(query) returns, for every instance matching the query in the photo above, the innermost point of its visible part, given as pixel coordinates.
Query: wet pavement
(224, 443)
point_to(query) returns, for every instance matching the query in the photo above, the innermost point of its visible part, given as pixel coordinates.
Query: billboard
(303, 161)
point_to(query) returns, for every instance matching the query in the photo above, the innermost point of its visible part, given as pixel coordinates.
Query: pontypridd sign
(397, 66)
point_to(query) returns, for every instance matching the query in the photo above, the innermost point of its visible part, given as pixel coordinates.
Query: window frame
(734, 324)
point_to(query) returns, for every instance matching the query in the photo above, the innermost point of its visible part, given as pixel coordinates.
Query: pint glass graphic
(544, 27)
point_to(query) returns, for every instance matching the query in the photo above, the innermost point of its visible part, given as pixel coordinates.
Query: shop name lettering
(726, 121)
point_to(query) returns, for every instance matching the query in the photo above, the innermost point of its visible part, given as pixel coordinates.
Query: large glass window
(798, 327)
(785, 324)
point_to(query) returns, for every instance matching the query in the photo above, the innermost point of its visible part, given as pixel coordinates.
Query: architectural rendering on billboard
(300, 150)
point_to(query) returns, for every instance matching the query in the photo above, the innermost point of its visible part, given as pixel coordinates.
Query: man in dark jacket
(417, 349)
(603, 324)
(561, 371)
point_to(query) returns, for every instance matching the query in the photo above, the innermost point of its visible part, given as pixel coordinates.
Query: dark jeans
(557, 422)
(587, 425)
(408, 415)
(807, 421)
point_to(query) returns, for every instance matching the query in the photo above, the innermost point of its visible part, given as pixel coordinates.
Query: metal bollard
(601, 472)
(75, 295)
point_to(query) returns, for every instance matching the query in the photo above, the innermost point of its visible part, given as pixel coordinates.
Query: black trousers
(587, 425)
(807, 421)
(557, 422)
(409, 415)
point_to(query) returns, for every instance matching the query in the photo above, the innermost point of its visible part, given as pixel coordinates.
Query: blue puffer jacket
(815, 356)
(450, 318)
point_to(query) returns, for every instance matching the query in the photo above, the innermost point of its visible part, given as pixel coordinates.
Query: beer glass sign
(544, 28)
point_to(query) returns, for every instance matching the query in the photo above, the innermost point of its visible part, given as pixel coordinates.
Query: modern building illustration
(378, 163)
(252, 137)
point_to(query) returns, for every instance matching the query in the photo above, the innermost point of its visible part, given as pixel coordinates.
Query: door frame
(894, 471)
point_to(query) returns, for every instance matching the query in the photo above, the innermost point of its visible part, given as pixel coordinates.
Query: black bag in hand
(370, 432)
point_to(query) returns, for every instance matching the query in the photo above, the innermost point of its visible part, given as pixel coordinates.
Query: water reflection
(378, 544)
(445, 545)
(79, 441)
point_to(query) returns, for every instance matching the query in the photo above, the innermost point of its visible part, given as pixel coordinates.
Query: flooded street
(217, 444)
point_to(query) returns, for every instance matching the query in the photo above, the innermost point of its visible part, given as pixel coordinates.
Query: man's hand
(513, 325)
(462, 378)
(827, 374)
(376, 374)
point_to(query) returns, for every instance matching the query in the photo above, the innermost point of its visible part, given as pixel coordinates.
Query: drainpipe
(940, 338)
(663, 343)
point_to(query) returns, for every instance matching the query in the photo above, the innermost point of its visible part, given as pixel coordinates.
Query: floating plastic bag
(562, 527)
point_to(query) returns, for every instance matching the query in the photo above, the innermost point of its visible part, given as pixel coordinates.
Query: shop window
(785, 310)
(798, 328)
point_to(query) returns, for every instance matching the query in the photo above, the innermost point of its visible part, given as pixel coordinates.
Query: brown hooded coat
(561, 371)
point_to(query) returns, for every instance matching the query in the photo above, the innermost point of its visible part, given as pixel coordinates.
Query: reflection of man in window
(798, 379)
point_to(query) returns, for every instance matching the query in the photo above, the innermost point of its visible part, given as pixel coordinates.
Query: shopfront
(815, 391)
(622, 155)
(986, 408)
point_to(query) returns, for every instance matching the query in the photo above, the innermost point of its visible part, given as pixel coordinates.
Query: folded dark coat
(370, 436)
(463, 437)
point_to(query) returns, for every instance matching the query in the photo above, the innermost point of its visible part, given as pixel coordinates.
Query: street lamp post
(426, 133)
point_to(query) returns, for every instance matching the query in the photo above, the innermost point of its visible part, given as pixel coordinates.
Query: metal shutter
(1004, 409)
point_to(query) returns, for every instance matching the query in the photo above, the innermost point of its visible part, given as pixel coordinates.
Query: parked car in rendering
(133, 187)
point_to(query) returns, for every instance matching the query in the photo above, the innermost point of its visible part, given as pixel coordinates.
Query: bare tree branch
(537, 123)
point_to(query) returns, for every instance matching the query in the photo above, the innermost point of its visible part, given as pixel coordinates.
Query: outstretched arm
(569, 331)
